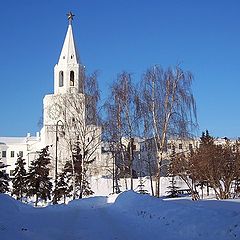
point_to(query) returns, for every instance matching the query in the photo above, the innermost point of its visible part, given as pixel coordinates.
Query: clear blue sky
(116, 35)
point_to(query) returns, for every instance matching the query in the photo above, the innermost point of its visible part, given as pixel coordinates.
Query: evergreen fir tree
(173, 188)
(77, 160)
(39, 182)
(4, 179)
(86, 189)
(141, 186)
(82, 185)
(62, 190)
(206, 139)
(19, 181)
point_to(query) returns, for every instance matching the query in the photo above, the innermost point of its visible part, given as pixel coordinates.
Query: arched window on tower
(71, 78)
(61, 79)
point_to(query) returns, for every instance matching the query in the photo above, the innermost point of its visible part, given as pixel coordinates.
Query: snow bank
(182, 218)
(11, 211)
(90, 202)
(132, 200)
(131, 216)
(10, 206)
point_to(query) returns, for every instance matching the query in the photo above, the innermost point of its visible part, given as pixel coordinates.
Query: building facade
(12, 147)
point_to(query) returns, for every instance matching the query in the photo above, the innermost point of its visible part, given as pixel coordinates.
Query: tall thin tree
(19, 181)
(4, 178)
(39, 182)
(168, 108)
(121, 105)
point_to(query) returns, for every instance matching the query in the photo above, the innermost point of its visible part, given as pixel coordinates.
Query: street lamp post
(56, 149)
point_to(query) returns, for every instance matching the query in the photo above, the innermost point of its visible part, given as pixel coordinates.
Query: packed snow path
(131, 216)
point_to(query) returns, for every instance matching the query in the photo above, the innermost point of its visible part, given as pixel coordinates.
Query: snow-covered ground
(126, 216)
(103, 186)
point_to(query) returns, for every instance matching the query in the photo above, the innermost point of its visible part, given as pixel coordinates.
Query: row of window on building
(12, 154)
(169, 147)
(180, 146)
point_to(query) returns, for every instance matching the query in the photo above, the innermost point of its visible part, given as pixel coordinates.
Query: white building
(11, 147)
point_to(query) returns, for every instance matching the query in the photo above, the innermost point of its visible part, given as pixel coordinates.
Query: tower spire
(67, 70)
(69, 53)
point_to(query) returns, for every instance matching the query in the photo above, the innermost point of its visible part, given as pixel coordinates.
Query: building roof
(17, 140)
(69, 53)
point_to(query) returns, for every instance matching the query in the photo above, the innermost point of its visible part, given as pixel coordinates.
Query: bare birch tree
(111, 136)
(168, 107)
(121, 109)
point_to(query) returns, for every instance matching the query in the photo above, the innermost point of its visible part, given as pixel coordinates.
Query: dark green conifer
(4, 179)
(19, 181)
(63, 188)
(39, 182)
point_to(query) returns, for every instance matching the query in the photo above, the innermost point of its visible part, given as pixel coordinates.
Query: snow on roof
(17, 140)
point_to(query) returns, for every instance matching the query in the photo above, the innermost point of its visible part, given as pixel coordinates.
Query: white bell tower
(68, 82)
(69, 111)
(68, 78)
(67, 72)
